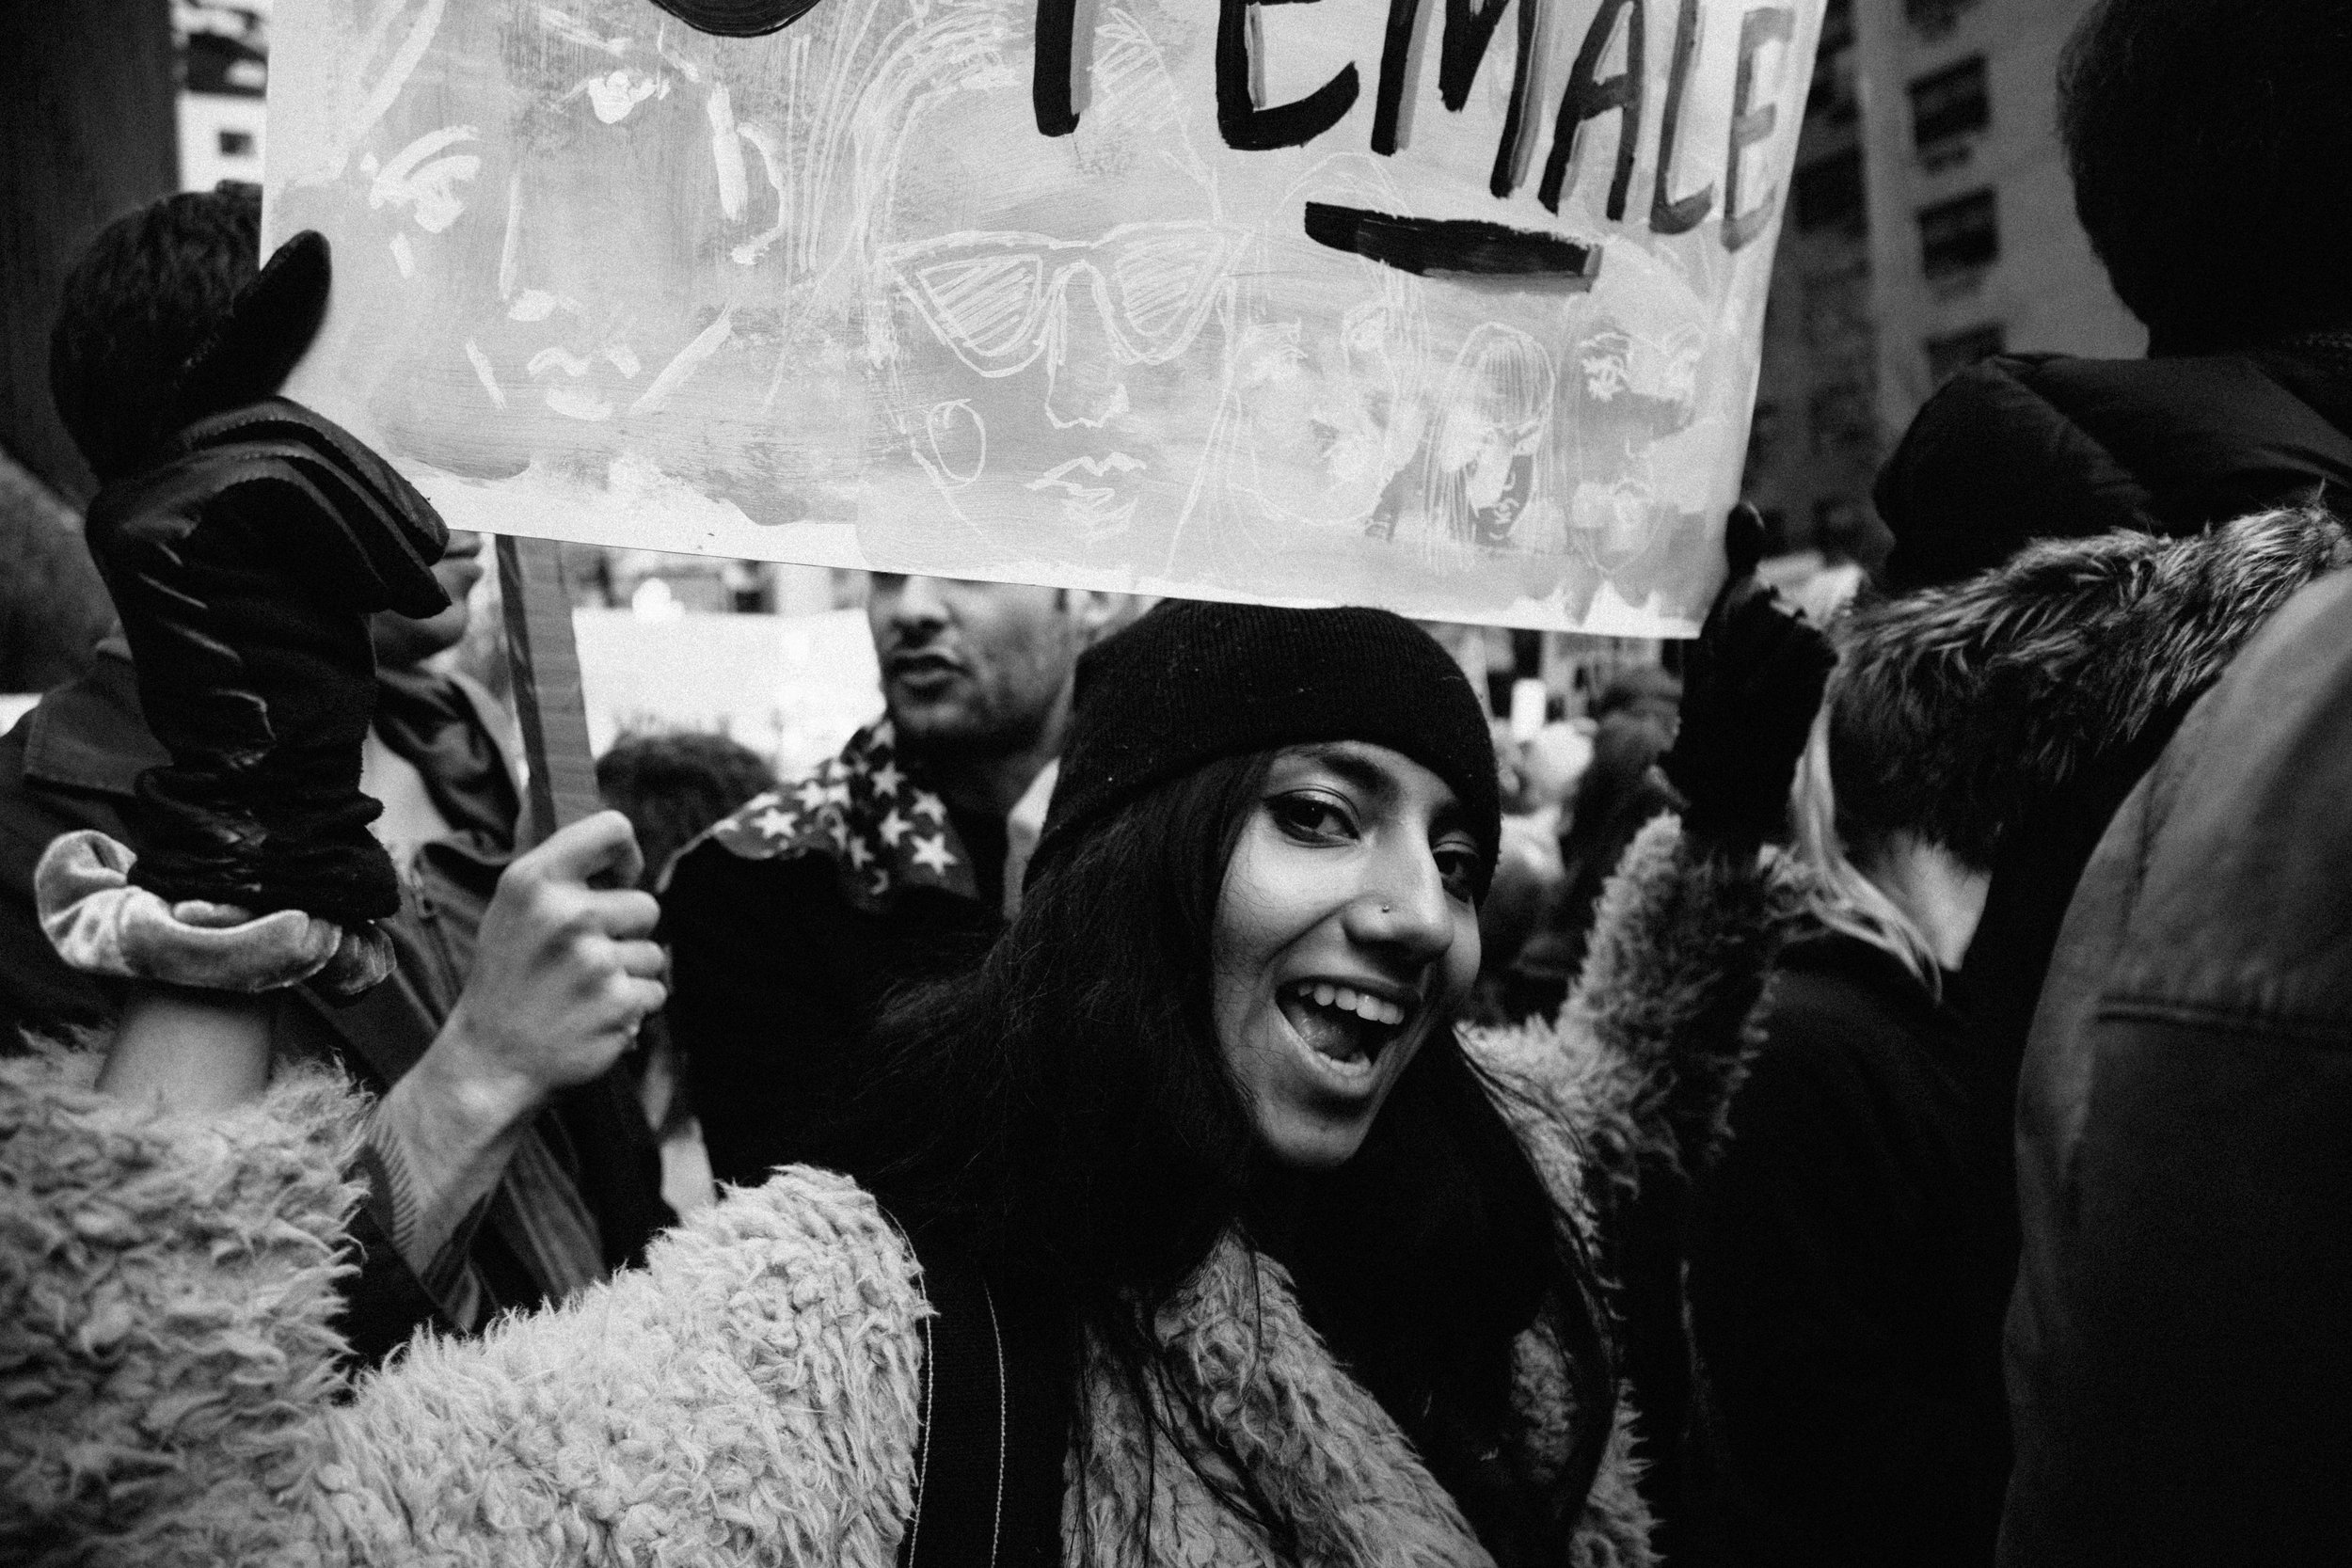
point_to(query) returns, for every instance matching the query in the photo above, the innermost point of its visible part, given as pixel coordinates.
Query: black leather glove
(244, 566)
(1752, 684)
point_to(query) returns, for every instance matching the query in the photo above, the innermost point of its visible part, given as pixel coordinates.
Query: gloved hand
(1751, 686)
(244, 566)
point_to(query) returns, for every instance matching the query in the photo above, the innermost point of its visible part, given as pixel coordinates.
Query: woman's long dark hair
(1063, 1116)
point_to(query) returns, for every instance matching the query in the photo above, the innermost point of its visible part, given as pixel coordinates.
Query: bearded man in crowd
(791, 921)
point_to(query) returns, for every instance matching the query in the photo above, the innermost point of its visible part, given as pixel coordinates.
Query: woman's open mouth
(1344, 1029)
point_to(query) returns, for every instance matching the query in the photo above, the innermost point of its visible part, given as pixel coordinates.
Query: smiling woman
(1346, 932)
(1277, 1264)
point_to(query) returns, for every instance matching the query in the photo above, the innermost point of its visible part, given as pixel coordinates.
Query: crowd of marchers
(1909, 1128)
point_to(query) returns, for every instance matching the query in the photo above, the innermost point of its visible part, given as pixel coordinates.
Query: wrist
(447, 1129)
(469, 1088)
(189, 1052)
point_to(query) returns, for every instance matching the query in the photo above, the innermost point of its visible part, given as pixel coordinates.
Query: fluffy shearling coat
(750, 1395)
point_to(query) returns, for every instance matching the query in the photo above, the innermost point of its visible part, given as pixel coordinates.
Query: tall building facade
(1930, 223)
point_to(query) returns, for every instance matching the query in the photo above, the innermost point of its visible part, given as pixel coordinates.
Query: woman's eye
(1458, 865)
(1311, 816)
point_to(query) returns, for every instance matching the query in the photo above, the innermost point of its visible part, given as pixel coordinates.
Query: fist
(565, 970)
(1752, 685)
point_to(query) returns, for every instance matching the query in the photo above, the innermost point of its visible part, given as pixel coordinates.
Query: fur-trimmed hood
(1954, 709)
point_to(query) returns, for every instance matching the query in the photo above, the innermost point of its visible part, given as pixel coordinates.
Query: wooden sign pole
(544, 663)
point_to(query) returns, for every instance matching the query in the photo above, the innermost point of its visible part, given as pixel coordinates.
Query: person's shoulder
(808, 815)
(1836, 1014)
(85, 736)
(489, 714)
(2025, 447)
(742, 853)
(2242, 892)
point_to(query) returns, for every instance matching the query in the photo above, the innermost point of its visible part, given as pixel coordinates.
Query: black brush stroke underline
(1460, 247)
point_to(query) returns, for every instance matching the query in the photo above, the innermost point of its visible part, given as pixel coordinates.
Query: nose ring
(1386, 909)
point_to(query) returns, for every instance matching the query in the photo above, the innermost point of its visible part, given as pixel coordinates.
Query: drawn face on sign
(1495, 415)
(1326, 370)
(1041, 366)
(1632, 388)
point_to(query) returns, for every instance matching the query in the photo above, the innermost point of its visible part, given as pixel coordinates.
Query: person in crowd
(673, 784)
(2219, 228)
(2178, 1367)
(1852, 1248)
(1301, 1272)
(1619, 791)
(894, 862)
(464, 1219)
(1537, 775)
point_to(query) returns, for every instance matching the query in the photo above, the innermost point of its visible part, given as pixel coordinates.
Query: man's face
(971, 666)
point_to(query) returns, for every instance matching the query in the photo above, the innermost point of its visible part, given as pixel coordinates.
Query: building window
(1959, 236)
(1763, 444)
(219, 62)
(1832, 99)
(1837, 309)
(236, 144)
(1950, 355)
(1933, 18)
(1842, 421)
(1836, 27)
(1829, 193)
(1950, 104)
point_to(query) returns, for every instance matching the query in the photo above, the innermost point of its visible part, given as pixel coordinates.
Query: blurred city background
(1929, 225)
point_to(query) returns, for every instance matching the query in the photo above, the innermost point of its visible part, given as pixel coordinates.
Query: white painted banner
(1453, 305)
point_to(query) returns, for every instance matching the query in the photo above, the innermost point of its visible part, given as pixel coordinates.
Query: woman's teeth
(1344, 1026)
(1371, 1009)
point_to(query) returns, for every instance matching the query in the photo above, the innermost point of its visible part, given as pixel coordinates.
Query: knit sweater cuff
(397, 1207)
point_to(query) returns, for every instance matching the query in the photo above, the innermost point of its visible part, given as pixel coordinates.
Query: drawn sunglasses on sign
(997, 298)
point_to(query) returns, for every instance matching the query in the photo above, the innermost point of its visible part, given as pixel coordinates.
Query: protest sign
(1447, 305)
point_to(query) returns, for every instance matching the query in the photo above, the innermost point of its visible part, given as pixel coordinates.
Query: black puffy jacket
(2035, 446)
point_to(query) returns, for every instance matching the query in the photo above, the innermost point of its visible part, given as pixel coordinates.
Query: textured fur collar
(1980, 699)
(1241, 1362)
(1240, 1358)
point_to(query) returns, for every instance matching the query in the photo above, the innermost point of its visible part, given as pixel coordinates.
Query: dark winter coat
(2040, 446)
(2179, 1361)
(1848, 1266)
(792, 919)
(2024, 447)
(1997, 717)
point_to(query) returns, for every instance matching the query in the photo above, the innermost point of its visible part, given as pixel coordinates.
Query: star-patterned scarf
(881, 829)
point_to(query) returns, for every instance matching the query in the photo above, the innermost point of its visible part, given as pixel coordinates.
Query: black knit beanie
(1190, 683)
